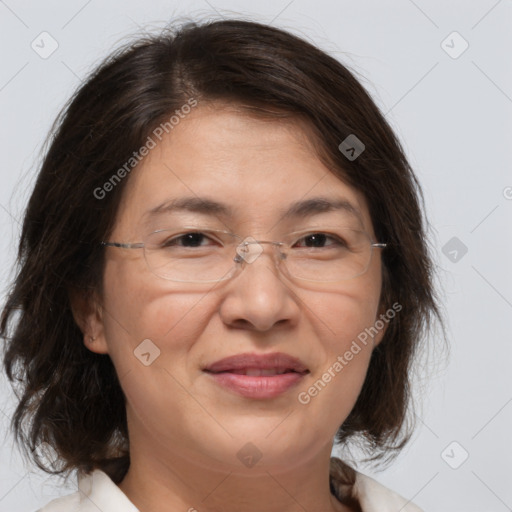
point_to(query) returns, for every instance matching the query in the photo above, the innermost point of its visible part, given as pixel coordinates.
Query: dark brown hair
(70, 398)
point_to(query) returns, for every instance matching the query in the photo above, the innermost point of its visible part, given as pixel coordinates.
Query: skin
(185, 430)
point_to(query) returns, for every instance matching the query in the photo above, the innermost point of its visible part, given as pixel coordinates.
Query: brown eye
(319, 240)
(186, 240)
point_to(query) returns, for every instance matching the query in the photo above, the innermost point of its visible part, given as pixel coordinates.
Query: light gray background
(453, 116)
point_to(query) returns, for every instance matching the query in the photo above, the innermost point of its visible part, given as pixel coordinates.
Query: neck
(178, 481)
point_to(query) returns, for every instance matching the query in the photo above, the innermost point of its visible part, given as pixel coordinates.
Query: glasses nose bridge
(271, 242)
(243, 254)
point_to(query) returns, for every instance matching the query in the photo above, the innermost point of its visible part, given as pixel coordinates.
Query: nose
(258, 297)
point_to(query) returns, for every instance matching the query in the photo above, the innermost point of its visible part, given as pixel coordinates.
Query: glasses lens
(190, 255)
(329, 255)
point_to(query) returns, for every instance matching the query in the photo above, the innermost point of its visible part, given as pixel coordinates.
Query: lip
(277, 360)
(227, 373)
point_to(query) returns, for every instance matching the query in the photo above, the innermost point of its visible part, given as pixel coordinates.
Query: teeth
(259, 372)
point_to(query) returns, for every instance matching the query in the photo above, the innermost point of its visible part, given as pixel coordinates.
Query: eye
(319, 240)
(191, 239)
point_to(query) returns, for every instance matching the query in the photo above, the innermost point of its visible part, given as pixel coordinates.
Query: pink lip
(278, 360)
(226, 372)
(257, 387)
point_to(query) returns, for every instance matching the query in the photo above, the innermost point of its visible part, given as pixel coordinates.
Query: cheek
(341, 316)
(343, 324)
(150, 330)
(142, 315)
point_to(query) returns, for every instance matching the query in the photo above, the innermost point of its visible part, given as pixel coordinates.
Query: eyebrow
(298, 209)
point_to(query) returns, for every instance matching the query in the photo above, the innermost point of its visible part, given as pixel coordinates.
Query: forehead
(258, 168)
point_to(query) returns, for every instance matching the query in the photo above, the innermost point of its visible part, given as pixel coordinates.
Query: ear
(88, 315)
(381, 323)
(385, 313)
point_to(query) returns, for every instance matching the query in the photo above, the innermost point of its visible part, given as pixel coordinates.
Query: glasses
(192, 254)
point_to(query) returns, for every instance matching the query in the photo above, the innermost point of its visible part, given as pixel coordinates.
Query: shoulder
(370, 495)
(68, 503)
(96, 491)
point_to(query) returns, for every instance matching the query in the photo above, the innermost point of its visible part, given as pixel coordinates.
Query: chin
(263, 446)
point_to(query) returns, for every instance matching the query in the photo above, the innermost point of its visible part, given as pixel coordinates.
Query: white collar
(371, 495)
(375, 497)
(97, 491)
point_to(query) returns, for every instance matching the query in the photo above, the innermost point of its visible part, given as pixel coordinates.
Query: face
(257, 168)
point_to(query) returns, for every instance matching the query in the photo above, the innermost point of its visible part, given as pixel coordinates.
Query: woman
(223, 271)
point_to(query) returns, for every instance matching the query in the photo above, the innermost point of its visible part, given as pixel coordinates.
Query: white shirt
(97, 492)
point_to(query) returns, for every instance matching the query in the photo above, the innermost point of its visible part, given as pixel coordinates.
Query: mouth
(258, 376)
(274, 363)
(258, 372)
